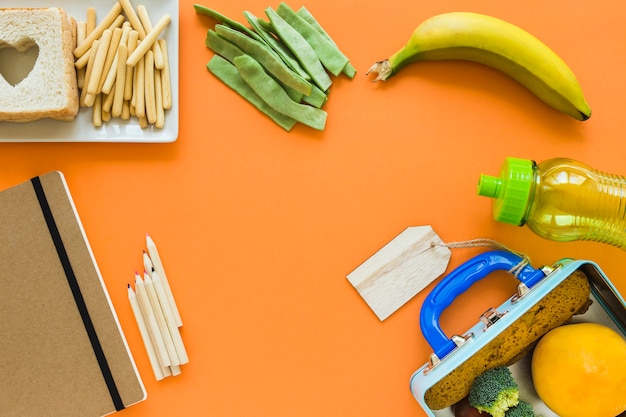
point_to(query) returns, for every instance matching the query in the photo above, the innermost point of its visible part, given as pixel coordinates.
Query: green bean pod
(226, 21)
(275, 96)
(280, 48)
(303, 12)
(227, 50)
(301, 49)
(261, 52)
(229, 75)
(329, 55)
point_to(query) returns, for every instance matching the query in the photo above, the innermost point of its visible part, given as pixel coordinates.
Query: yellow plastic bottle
(559, 199)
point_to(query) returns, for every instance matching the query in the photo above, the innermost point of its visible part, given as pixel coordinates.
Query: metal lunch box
(608, 307)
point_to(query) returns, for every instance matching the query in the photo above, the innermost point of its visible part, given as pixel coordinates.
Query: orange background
(258, 227)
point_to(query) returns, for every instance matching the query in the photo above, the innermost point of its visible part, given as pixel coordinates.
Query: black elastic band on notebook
(78, 296)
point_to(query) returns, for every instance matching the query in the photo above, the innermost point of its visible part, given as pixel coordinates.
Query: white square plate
(116, 130)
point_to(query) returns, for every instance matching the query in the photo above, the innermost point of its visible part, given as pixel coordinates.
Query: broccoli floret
(494, 391)
(522, 409)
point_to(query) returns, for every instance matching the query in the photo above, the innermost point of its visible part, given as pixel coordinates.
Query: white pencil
(178, 344)
(145, 335)
(161, 321)
(153, 327)
(158, 267)
(169, 319)
(147, 263)
(175, 370)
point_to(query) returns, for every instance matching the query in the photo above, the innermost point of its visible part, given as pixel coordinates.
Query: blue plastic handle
(457, 282)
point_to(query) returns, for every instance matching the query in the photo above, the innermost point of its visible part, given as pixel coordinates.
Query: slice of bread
(49, 90)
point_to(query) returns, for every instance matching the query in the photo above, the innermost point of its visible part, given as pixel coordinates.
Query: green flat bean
(229, 51)
(226, 20)
(329, 55)
(303, 12)
(295, 95)
(274, 95)
(267, 26)
(276, 45)
(221, 46)
(229, 75)
(301, 49)
(260, 52)
(349, 70)
(317, 97)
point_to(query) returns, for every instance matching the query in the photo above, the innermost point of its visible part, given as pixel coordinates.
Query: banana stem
(382, 69)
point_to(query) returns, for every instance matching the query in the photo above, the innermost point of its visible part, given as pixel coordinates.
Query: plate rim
(77, 131)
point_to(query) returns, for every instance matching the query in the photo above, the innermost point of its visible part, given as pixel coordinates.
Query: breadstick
(110, 78)
(81, 33)
(97, 111)
(82, 61)
(133, 18)
(120, 83)
(110, 57)
(107, 101)
(133, 99)
(139, 89)
(73, 30)
(126, 110)
(149, 90)
(158, 95)
(118, 22)
(91, 21)
(89, 65)
(158, 56)
(90, 99)
(165, 77)
(89, 70)
(132, 44)
(107, 82)
(143, 122)
(106, 116)
(110, 17)
(98, 65)
(144, 16)
(147, 42)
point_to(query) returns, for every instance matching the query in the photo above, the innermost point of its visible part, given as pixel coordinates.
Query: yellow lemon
(579, 370)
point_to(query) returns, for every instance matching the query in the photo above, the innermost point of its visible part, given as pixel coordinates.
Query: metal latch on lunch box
(490, 316)
(434, 360)
(522, 288)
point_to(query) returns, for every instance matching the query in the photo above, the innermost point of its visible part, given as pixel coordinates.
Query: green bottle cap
(511, 189)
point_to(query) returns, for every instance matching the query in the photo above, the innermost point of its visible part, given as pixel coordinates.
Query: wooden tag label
(400, 269)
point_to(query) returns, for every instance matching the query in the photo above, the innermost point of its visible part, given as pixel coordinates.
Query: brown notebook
(62, 350)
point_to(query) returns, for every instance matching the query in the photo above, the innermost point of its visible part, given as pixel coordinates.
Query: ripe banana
(495, 43)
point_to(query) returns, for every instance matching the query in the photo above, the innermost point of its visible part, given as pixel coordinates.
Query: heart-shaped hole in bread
(17, 60)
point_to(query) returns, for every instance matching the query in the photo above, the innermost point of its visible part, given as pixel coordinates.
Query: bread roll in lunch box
(569, 291)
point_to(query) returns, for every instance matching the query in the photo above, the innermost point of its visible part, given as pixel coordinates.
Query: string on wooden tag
(483, 242)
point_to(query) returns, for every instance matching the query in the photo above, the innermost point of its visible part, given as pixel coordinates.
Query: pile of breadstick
(122, 65)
